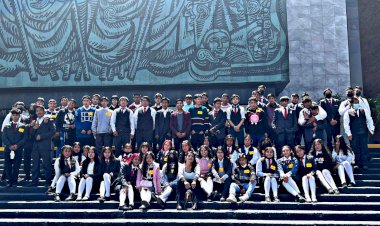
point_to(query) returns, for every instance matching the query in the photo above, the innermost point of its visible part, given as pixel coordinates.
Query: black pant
(224, 187)
(45, 154)
(178, 142)
(28, 149)
(102, 140)
(144, 136)
(197, 140)
(298, 136)
(86, 140)
(215, 141)
(332, 132)
(120, 140)
(359, 144)
(12, 166)
(285, 139)
(182, 190)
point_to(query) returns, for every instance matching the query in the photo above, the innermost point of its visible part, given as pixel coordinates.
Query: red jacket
(186, 126)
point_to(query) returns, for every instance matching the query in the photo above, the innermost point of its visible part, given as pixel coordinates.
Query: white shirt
(346, 121)
(131, 119)
(165, 111)
(90, 168)
(152, 113)
(321, 116)
(231, 109)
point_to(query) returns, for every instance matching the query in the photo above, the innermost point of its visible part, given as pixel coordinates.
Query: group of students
(155, 151)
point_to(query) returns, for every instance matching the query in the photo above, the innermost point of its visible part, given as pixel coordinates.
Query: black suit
(331, 109)
(14, 134)
(162, 126)
(285, 128)
(299, 132)
(217, 127)
(42, 148)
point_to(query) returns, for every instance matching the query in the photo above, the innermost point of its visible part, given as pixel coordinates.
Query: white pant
(207, 185)
(54, 181)
(123, 195)
(270, 182)
(309, 183)
(105, 186)
(146, 195)
(345, 166)
(326, 179)
(61, 182)
(291, 187)
(85, 183)
(166, 193)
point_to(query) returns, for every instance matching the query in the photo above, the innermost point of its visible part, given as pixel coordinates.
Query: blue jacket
(83, 121)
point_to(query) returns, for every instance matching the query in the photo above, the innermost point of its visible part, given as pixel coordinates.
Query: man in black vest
(357, 122)
(145, 117)
(162, 123)
(331, 106)
(122, 124)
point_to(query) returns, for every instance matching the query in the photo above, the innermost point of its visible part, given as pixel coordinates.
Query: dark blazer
(309, 166)
(15, 136)
(217, 125)
(112, 167)
(186, 123)
(46, 132)
(282, 125)
(162, 124)
(126, 175)
(332, 111)
(97, 172)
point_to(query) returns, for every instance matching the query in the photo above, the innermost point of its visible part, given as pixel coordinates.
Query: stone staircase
(358, 205)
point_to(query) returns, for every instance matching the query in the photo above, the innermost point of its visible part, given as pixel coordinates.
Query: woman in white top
(90, 172)
(343, 157)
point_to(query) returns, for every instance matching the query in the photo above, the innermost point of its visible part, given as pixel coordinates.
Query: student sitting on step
(126, 156)
(205, 164)
(343, 157)
(162, 156)
(90, 174)
(109, 171)
(185, 147)
(306, 172)
(266, 168)
(169, 177)
(144, 149)
(126, 183)
(222, 172)
(67, 169)
(244, 180)
(323, 161)
(287, 167)
(148, 179)
(78, 154)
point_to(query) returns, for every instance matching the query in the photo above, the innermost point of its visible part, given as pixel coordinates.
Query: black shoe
(122, 207)
(145, 203)
(50, 190)
(126, 208)
(57, 198)
(194, 205)
(160, 202)
(344, 185)
(300, 199)
(331, 191)
(101, 199)
(71, 197)
(107, 198)
(352, 184)
(179, 206)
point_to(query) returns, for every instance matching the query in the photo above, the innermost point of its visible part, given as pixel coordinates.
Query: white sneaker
(243, 198)
(231, 199)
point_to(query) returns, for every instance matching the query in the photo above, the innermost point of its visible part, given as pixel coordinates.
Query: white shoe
(231, 199)
(314, 200)
(243, 198)
(308, 200)
(79, 199)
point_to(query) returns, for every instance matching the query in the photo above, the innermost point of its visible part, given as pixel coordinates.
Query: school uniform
(256, 130)
(205, 176)
(101, 127)
(162, 126)
(236, 113)
(232, 152)
(267, 169)
(122, 122)
(199, 124)
(242, 180)
(28, 147)
(66, 127)
(252, 153)
(357, 123)
(127, 179)
(344, 164)
(42, 148)
(83, 121)
(93, 170)
(285, 126)
(109, 170)
(307, 166)
(162, 158)
(169, 181)
(331, 106)
(14, 133)
(53, 116)
(270, 111)
(323, 162)
(125, 158)
(63, 166)
(299, 132)
(149, 182)
(79, 157)
(180, 122)
(223, 170)
(289, 167)
(144, 123)
(217, 127)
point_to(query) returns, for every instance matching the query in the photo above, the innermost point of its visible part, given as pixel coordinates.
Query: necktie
(144, 110)
(287, 162)
(269, 163)
(303, 162)
(66, 162)
(331, 103)
(235, 110)
(286, 113)
(14, 125)
(123, 110)
(133, 172)
(107, 161)
(215, 114)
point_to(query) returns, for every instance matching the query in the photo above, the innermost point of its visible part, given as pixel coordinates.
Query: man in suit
(145, 117)
(180, 124)
(14, 138)
(331, 106)
(42, 133)
(163, 116)
(218, 120)
(284, 124)
(297, 107)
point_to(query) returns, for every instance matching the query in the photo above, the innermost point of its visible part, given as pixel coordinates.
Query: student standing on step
(236, 117)
(180, 125)
(256, 123)
(162, 123)
(42, 133)
(123, 125)
(217, 119)
(109, 171)
(67, 169)
(323, 161)
(357, 124)
(148, 180)
(199, 122)
(266, 168)
(287, 168)
(65, 124)
(296, 107)
(95, 101)
(101, 126)
(114, 102)
(28, 148)
(90, 174)
(14, 137)
(83, 122)
(343, 157)
(222, 172)
(145, 117)
(306, 172)
(244, 180)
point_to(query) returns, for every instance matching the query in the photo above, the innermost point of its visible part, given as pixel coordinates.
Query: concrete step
(239, 214)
